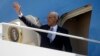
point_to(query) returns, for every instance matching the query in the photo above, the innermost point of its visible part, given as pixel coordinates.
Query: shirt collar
(54, 27)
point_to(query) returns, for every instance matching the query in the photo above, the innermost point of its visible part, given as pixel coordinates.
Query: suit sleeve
(27, 22)
(67, 43)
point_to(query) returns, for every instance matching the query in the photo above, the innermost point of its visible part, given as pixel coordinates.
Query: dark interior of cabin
(79, 26)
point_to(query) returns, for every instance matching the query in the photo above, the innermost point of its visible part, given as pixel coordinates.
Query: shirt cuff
(21, 14)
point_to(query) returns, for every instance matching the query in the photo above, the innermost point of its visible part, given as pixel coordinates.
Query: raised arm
(17, 8)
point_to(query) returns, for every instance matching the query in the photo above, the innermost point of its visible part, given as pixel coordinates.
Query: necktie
(50, 35)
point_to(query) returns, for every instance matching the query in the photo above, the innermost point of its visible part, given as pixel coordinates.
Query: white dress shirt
(53, 35)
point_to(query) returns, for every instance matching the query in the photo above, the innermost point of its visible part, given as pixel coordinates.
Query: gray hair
(54, 13)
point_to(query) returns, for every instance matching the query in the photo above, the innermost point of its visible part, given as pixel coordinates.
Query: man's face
(52, 19)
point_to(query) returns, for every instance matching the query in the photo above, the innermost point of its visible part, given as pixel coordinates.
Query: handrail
(57, 33)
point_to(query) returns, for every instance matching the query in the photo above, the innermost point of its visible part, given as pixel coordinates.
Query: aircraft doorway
(77, 22)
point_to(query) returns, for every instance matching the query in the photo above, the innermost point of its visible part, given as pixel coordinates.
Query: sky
(37, 8)
(41, 8)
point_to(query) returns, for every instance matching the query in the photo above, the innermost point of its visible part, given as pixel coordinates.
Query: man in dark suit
(49, 40)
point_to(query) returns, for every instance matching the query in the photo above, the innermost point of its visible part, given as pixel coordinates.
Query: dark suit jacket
(57, 43)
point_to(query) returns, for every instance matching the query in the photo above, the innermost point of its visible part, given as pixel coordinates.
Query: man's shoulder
(62, 29)
(44, 26)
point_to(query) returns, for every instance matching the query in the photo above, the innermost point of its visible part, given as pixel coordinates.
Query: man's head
(53, 18)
